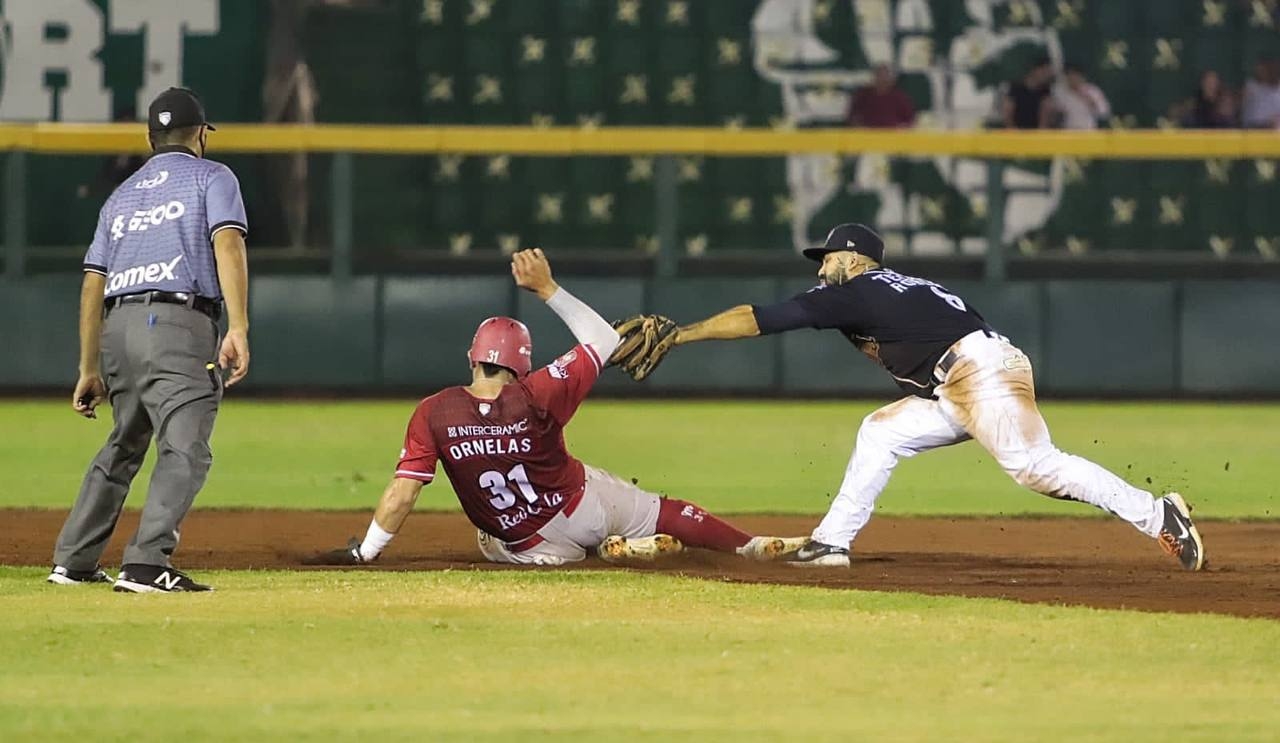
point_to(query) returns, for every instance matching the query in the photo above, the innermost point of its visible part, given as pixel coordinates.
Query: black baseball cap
(176, 108)
(856, 237)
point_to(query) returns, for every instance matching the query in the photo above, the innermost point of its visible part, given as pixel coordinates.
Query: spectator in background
(1212, 107)
(1080, 103)
(1262, 96)
(1026, 103)
(882, 105)
(115, 169)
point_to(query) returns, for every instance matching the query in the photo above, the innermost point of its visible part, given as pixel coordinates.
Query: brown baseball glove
(646, 341)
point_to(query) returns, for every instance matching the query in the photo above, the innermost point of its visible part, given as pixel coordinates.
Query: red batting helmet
(504, 342)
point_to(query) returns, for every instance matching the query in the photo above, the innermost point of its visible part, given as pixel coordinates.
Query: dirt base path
(1101, 563)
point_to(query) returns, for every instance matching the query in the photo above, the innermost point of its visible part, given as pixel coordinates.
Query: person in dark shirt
(1027, 103)
(881, 105)
(964, 380)
(1212, 107)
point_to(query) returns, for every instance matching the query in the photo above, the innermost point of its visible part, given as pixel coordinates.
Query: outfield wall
(1085, 337)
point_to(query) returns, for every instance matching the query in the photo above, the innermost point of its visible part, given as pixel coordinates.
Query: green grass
(611, 655)
(785, 457)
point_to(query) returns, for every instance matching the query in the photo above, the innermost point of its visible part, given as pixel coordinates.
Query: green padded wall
(307, 331)
(428, 324)
(1229, 337)
(41, 339)
(1109, 336)
(1085, 338)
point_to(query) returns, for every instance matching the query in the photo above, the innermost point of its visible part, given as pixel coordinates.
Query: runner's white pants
(609, 505)
(988, 395)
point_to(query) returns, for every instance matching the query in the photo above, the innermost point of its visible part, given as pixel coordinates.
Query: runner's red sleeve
(418, 457)
(561, 386)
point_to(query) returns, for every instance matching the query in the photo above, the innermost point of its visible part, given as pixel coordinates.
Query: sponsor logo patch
(1015, 363)
(148, 274)
(144, 219)
(159, 178)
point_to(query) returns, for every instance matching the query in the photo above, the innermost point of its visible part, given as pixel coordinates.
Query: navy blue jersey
(903, 323)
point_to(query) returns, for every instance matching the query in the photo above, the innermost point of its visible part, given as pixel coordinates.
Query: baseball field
(973, 610)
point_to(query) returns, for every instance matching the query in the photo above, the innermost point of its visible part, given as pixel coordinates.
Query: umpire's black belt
(203, 305)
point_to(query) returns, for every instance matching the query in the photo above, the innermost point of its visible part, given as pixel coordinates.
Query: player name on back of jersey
(500, 440)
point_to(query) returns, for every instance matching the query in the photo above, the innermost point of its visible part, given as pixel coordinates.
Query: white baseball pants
(987, 395)
(609, 505)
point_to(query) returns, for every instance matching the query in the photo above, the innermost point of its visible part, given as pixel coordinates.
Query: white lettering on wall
(165, 22)
(53, 36)
(66, 37)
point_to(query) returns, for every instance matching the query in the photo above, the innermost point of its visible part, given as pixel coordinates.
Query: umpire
(167, 259)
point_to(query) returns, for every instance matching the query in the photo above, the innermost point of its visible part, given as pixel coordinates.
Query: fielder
(501, 442)
(964, 380)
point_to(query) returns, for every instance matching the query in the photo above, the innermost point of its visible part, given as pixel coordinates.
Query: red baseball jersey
(505, 457)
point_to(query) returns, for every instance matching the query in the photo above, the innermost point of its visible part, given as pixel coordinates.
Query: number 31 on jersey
(499, 484)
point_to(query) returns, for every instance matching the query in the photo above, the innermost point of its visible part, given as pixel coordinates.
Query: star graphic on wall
(1123, 210)
(1171, 208)
(1215, 13)
(481, 10)
(634, 89)
(1116, 55)
(532, 49)
(460, 243)
(678, 12)
(448, 167)
(550, 208)
(600, 208)
(498, 166)
(689, 169)
(728, 52)
(682, 90)
(439, 88)
(488, 89)
(433, 11)
(582, 51)
(629, 12)
(508, 243)
(696, 245)
(640, 170)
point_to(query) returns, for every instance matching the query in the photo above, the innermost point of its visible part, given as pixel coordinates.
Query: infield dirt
(1089, 562)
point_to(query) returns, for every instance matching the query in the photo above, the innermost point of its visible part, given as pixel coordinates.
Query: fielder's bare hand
(89, 394)
(532, 272)
(235, 355)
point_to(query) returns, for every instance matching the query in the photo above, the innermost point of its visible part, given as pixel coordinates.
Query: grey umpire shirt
(156, 231)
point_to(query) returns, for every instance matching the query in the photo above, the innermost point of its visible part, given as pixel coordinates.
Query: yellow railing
(1149, 144)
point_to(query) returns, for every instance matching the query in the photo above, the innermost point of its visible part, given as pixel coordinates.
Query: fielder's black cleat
(155, 579)
(817, 554)
(1179, 536)
(60, 576)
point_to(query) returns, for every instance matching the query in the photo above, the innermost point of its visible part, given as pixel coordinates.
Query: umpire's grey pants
(155, 363)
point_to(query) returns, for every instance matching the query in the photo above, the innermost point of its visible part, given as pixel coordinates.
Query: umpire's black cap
(176, 108)
(856, 237)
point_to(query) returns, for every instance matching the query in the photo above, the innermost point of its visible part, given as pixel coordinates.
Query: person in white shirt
(1262, 96)
(1080, 103)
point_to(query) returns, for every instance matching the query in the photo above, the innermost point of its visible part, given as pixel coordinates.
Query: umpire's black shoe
(1179, 536)
(155, 579)
(820, 555)
(60, 576)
